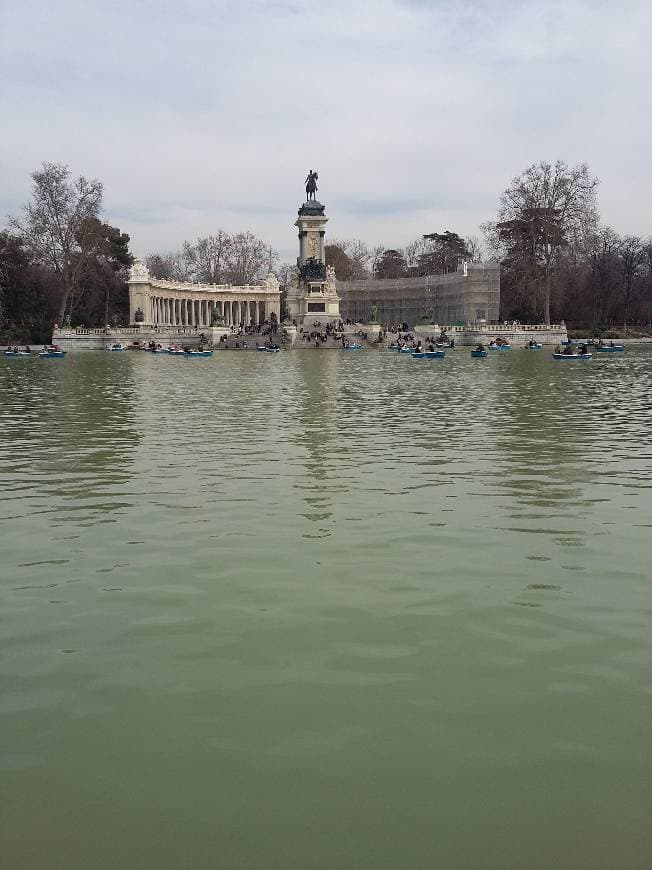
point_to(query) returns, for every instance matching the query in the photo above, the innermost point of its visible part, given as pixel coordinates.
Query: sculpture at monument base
(313, 270)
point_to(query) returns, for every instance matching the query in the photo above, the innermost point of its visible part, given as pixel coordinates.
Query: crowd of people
(322, 334)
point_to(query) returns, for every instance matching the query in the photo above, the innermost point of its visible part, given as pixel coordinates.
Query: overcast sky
(201, 114)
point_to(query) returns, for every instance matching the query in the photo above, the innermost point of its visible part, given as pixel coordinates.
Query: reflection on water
(325, 610)
(316, 437)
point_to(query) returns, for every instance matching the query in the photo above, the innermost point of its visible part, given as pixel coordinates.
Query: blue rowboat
(533, 347)
(499, 346)
(52, 354)
(352, 347)
(116, 347)
(15, 353)
(617, 348)
(177, 352)
(393, 347)
(429, 354)
(479, 354)
(406, 350)
(264, 349)
(572, 356)
(196, 353)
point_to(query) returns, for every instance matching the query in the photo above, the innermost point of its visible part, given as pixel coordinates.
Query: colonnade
(181, 311)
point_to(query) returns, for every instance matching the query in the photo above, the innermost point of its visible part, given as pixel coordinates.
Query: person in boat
(431, 347)
(531, 343)
(611, 344)
(600, 343)
(418, 348)
(480, 347)
(493, 342)
(27, 349)
(568, 351)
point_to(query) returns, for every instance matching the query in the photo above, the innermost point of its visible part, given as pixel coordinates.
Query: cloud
(416, 114)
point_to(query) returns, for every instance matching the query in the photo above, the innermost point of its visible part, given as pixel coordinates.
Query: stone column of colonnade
(182, 311)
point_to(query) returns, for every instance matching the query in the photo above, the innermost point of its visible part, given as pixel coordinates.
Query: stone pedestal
(312, 298)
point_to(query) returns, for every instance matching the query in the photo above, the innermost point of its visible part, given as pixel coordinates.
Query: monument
(312, 295)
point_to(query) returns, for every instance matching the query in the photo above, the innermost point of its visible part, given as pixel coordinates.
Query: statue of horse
(311, 185)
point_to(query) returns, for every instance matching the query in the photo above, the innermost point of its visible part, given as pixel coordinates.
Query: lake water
(325, 610)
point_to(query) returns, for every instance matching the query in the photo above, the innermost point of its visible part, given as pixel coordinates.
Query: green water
(325, 610)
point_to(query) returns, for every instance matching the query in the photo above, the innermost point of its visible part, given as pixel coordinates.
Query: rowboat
(394, 347)
(52, 354)
(572, 356)
(607, 348)
(535, 346)
(499, 346)
(429, 354)
(479, 354)
(352, 347)
(265, 349)
(14, 353)
(157, 349)
(406, 350)
(177, 352)
(116, 347)
(197, 353)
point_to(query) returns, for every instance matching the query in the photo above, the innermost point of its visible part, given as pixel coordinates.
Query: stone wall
(101, 339)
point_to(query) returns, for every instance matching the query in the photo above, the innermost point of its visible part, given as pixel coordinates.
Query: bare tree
(248, 255)
(633, 256)
(209, 256)
(285, 273)
(545, 208)
(173, 266)
(358, 253)
(56, 225)
(603, 258)
(476, 249)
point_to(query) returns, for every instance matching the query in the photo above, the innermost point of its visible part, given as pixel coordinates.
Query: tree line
(60, 262)
(220, 258)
